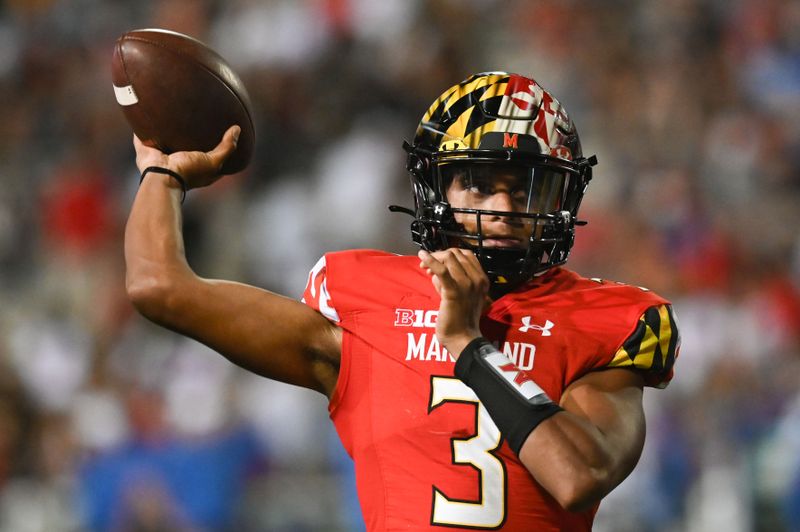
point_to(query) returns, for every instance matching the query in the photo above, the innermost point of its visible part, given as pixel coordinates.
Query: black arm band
(516, 403)
(162, 170)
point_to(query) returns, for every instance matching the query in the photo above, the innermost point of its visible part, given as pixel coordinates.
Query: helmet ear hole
(421, 164)
(417, 164)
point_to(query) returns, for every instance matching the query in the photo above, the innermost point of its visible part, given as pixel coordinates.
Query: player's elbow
(153, 295)
(584, 489)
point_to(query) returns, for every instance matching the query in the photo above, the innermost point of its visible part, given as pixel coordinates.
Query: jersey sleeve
(316, 294)
(652, 347)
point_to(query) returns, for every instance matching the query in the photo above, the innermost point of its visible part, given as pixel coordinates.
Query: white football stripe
(125, 95)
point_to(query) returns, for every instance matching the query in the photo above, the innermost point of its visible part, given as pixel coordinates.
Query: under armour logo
(544, 329)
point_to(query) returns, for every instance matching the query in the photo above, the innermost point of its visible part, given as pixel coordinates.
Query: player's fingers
(442, 253)
(470, 262)
(465, 256)
(437, 284)
(467, 261)
(456, 267)
(475, 279)
(473, 268)
(436, 266)
(225, 148)
(450, 271)
(431, 263)
(461, 267)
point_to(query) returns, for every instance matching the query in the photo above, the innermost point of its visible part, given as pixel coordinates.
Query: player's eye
(519, 196)
(479, 187)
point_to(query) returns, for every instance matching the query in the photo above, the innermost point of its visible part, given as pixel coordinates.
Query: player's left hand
(463, 286)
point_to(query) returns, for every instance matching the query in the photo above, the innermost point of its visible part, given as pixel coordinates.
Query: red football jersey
(427, 454)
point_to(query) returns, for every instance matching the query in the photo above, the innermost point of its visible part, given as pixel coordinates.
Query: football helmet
(496, 122)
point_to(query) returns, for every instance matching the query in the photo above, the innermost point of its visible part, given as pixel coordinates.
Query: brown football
(180, 95)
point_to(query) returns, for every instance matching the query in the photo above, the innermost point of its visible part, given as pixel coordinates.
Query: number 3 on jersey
(489, 511)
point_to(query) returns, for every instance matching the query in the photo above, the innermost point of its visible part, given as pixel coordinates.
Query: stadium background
(693, 107)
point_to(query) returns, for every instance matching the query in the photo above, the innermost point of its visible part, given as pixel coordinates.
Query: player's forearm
(154, 253)
(577, 450)
(573, 460)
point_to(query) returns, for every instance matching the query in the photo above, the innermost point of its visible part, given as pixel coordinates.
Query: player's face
(506, 188)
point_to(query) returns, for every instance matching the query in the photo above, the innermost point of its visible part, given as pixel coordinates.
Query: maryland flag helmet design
(497, 118)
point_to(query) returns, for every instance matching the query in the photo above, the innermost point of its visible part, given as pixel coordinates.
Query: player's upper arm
(269, 334)
(611, 400)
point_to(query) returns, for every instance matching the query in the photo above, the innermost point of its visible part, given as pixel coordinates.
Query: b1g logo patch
(406, 317)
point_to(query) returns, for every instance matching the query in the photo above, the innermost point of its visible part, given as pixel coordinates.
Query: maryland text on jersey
(425, 347)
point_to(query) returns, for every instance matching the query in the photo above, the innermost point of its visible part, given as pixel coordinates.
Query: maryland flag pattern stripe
(653, 345)
(452, 106)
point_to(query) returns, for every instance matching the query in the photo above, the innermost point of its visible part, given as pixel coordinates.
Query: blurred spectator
(157, 480)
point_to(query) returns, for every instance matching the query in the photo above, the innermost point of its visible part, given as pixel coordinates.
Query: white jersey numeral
(489, 511)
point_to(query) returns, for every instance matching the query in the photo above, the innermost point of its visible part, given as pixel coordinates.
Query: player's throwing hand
(197, 168)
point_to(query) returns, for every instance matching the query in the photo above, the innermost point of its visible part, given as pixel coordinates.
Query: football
(180, 95)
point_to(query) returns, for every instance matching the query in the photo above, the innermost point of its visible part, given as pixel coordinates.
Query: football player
(478, 386)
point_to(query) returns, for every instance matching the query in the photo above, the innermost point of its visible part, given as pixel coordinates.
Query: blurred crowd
(110, 423)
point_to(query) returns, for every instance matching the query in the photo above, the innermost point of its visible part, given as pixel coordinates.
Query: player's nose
(501, 201)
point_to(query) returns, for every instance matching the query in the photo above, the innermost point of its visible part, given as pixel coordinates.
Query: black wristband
(162, 170)
(516, 403)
